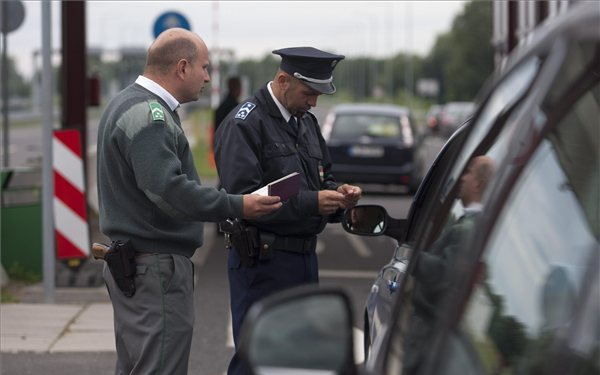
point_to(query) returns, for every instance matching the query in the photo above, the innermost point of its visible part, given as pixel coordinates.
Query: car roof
(388, 109)
(582, 18)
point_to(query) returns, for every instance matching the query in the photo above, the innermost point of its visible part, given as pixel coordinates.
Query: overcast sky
(253, 28)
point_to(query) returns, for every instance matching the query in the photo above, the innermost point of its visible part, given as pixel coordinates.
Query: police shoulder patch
(245, 110)
(157, 112)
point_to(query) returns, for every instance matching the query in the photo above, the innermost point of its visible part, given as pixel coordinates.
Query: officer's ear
(283, 80)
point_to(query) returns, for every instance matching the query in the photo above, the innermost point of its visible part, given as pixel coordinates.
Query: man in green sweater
(151, 198)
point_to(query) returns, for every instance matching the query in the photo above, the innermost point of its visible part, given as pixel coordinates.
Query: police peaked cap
(310, 65)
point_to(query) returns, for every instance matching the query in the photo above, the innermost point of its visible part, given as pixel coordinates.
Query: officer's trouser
(153, 329)
(249, 284)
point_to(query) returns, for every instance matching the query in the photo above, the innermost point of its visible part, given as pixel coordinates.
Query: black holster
(120, 259)
(244, 239)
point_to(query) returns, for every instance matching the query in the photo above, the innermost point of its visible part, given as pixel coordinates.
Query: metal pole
(4, 80)
(215, 96)
(409, 70)
(47, 177)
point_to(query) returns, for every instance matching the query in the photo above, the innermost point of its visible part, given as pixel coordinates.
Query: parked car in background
(518, 291)
(452, 115)
(373, 143)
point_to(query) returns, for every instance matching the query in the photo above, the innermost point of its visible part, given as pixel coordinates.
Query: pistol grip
(99, 250)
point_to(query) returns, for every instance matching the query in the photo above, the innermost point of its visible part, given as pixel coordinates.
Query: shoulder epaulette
(157, 111)
(245, 110)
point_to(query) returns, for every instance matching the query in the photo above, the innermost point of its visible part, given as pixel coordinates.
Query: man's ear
(181, 68)
(283, 80)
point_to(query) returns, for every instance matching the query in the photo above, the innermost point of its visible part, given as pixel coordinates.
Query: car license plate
(366, 151)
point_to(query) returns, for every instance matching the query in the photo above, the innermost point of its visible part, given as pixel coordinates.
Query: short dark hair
(234, 83)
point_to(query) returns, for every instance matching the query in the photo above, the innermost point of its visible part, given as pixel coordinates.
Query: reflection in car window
(415, 327)
(505, 95)
(545, 252)
(546, 239)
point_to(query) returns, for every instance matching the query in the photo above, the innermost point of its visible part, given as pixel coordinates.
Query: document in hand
(285, 187)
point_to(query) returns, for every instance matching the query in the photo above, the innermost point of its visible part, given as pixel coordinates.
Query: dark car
(518, 292)
(373, 143)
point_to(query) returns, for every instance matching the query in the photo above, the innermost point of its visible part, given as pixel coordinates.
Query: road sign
(13, 13)
(168, 20)
(70, 208)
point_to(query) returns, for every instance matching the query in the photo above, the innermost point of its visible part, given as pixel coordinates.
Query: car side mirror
(372, 220)
(305, 328)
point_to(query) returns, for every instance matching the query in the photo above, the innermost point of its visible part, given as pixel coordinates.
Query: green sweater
(148, 188)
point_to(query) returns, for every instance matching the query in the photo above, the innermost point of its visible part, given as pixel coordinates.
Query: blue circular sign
(168, 20)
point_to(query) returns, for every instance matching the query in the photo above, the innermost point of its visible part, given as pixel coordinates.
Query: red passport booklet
(285, 187)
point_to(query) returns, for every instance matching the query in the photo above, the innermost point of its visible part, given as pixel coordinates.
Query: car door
(543, 230)
(492, 127)
(385, 288)
(529, 302)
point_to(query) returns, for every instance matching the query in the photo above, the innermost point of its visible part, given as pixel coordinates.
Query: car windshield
(371, 125)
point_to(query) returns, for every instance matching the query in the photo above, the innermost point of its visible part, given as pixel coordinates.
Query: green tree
(462, 59)
(17, 86)
(472, 59)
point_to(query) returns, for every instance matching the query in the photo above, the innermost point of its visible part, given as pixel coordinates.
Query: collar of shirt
(473, 208)
(157, 89)
(284, 112)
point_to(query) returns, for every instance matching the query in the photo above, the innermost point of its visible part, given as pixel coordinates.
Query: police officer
(265, 138)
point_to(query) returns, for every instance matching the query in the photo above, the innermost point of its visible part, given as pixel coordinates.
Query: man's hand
(351, 195)
(256, 205)
(329, 201)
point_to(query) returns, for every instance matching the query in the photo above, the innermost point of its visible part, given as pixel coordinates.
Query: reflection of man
(431, 265)
(473, 183)
(431, 270)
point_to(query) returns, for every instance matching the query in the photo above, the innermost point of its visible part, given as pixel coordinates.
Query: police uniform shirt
(255, 145)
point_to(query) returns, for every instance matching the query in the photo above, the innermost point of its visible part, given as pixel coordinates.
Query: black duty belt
(302, 245)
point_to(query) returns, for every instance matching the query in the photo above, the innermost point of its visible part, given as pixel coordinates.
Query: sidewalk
(61, 326)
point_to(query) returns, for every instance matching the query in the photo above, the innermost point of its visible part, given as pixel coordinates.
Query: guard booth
(21, 221)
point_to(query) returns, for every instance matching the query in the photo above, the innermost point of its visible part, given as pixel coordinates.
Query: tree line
(460, 61)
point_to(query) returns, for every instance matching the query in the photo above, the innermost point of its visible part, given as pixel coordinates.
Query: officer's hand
(329, 201)
(351, 195)
(256, 205)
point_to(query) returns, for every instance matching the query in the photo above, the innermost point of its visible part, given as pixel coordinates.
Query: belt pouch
(267, 240)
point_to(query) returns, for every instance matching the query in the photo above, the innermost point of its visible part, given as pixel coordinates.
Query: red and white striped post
(70, 209)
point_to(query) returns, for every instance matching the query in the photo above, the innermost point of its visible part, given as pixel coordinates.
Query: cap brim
(323, 88)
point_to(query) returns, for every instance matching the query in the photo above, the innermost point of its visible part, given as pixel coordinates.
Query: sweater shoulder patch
(157, 112)
(245, 110)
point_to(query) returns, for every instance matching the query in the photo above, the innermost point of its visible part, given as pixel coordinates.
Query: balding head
(178, 62)
(474, 180)
(484, 168)
(171, 46)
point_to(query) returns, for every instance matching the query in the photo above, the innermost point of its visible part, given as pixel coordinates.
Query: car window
(356, 125)
(427, 281)
(513, 321)
(535, 304)
(510, 91)
(504, 113)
